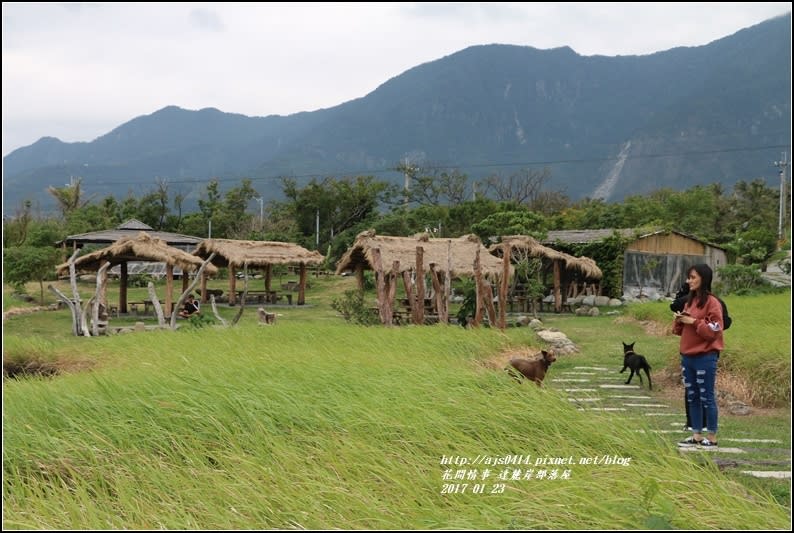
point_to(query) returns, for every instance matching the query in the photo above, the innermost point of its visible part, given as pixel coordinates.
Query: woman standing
(700, 326)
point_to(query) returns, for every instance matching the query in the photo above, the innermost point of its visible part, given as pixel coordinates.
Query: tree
(522, 187)
(69, 197)
(510, 223)
(28, 263)
(341, 204)
(15, 230)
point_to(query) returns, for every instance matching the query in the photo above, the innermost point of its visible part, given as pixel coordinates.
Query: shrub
(351, 306)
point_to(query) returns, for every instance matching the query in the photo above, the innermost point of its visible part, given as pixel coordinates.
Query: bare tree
(522, 187)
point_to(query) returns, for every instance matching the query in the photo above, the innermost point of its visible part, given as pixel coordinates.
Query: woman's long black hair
(702, 294)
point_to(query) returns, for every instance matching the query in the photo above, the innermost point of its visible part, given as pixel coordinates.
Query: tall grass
(332, 426)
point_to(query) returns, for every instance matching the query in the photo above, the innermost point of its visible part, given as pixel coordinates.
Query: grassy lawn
(315, 423)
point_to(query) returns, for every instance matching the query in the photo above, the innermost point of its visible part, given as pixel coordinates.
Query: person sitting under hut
(190, 308)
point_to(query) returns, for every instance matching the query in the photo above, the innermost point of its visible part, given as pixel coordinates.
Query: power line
(470, 166)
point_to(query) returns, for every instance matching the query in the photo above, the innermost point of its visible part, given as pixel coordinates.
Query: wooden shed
(654, 260)
(236, 254)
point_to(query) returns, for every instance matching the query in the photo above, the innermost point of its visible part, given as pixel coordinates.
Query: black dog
(635, 362)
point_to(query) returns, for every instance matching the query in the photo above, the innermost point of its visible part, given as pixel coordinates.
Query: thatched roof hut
(234, 254)
(568, 271)
(584, 265)
(256, 253)
(403, 249)
(142, 247)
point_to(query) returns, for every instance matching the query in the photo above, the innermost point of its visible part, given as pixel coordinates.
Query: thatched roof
(144, 247)
(403, 249)
(129, 228)
(256, 253)
(533, 248)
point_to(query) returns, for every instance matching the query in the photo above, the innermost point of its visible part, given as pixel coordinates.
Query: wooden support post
(185, 280)
(384, 311)
(409, 295)
(123, 280)
(443, 313)
(204, 287)
(169, 288)
(302, 285)
(477, 290)
(395, 269)
(103, 295)
(268, 276)
(360, 277)
(487, 294)
(232, 285)
(503, 287)
(420, 285)
(557, 295)
(435, 278)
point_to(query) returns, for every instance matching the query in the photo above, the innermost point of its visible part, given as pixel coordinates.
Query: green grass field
(315, 423)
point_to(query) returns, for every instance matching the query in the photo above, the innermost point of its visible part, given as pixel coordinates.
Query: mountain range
(605, 127)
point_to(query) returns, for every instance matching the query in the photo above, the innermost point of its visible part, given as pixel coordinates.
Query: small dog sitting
(635, 362)
(534, 370)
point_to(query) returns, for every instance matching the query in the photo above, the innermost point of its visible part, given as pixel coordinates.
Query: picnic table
(263, 296)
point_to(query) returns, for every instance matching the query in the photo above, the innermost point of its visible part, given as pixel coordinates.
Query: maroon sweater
(705, 334)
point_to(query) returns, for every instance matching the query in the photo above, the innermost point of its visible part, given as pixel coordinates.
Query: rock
(602, 301)
(614, 302)
(739, 408)
(593, 312)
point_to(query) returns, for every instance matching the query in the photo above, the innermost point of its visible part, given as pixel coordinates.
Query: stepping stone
(578, 373)
(662, 414)
(644, 405)
(752, 440)
(629, 397)
(591, 368)
(718, 449)
(579, 390)
(606, 408)
(661, 431)
(584, 399)
(768, 473)
(619, 386)
(572, 379)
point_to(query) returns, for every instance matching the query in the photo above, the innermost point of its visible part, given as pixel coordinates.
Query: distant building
(653, 262)
(131, 228)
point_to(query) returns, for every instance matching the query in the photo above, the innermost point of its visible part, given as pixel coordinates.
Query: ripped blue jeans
(700, 374)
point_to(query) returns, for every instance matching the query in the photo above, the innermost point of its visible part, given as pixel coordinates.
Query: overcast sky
(76, 71)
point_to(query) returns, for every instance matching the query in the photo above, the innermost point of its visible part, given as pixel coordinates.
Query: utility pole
(407, 188)
(261, 211)
(781, 165)
(317, 234)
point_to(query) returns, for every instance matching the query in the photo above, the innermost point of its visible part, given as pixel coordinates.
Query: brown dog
(534, 370)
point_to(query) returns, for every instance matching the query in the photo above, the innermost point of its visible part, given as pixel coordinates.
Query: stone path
(603, 389)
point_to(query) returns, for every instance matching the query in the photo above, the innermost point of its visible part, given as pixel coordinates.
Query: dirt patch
(18, 368)
(17, 311)
(650, 327)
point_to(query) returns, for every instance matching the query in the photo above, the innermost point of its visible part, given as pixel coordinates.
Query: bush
(352, 308)
(740, 279)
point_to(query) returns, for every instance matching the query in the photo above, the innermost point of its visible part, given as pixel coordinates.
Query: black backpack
(726, 318)
(680, 300)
